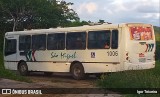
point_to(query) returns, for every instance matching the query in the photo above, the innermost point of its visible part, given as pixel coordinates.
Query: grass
(157, 36)
(133, 79)
(10, 74)
(157, 33)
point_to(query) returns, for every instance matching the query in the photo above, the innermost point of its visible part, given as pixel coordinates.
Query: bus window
(76, 40)
(56, 41)
(39, 42)
(99, 39)
(114, 39)
(10, 46)
(25, 42)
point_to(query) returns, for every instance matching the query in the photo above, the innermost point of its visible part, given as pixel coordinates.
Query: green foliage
(101, 21)
(133, 79)
(157, 29)
(29, 14)
(35, 14)
(76, 23)
(157, 36)
(1, 41)
(157, 33)
(157, 50)
(1, 60)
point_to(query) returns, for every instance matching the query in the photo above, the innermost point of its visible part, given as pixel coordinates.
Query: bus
(82, 50)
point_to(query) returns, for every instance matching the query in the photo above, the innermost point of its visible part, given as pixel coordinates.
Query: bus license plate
(142, 59)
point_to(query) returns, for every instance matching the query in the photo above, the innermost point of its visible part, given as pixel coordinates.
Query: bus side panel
(59, 61)
(48, 66)
(101, 67)
(97, 60)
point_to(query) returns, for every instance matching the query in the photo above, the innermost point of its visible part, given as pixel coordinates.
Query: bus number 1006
(112, 53)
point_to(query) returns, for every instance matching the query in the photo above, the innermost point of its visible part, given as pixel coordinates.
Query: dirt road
(57, 80)
(63, 80)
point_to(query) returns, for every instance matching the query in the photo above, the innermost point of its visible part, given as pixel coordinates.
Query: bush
(133, 79)
(1, 41)
(157, 50)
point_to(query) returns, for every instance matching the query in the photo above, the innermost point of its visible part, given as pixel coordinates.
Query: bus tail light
(127, 56)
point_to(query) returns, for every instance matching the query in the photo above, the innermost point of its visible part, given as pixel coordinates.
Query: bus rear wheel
(77, 71)
(23, 69)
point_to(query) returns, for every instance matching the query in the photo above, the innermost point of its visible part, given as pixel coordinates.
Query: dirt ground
(57, 80)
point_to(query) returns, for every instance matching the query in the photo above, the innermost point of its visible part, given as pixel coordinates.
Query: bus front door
(10, 53)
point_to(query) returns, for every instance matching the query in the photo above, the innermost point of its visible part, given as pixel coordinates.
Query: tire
(48, 73)
(23, 69)
(77, 71)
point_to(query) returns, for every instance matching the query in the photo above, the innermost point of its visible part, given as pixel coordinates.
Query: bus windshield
(141, 33)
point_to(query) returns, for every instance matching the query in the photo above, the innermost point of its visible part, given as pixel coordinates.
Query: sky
(118, 11)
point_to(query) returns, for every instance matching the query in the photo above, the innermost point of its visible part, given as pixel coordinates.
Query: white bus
(81, 50)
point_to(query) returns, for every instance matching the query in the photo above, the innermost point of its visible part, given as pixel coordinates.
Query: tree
(101, 21)
(29, 14)
(68, 15)
(75, 23)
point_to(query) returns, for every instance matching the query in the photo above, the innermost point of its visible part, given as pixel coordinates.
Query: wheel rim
(77, 71)
(23, 68)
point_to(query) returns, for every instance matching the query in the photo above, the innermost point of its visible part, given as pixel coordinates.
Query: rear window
(141, 33)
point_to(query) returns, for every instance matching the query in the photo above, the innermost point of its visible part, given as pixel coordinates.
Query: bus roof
(74, 29)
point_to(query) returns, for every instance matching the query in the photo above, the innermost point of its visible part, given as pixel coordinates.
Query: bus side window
(114, 39)
(99, 39)
(56, 41)
(10, 46)
(76, 40)
(39, 42)
(24, 42)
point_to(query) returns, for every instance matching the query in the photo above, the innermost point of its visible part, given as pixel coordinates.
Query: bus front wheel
(23, 69)
(77, 71)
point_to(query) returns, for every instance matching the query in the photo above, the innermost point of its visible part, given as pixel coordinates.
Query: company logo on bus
(149, 47)
(141, 55)
(30, 56)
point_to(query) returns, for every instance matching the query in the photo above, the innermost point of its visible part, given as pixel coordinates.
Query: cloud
(90, 7)
(151, 15)
(143, 6)
(145, 11)
(118, 11)
(118, 5)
